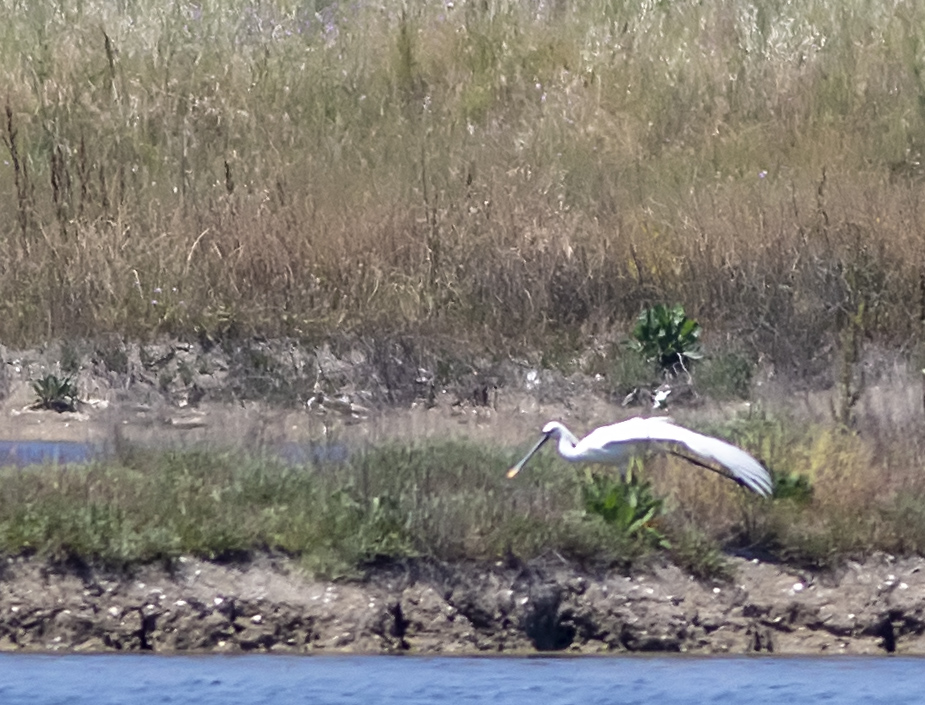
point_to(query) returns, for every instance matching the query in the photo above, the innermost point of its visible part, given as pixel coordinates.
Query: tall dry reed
(493, 170)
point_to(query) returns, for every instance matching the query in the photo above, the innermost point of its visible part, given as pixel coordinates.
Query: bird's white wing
(734, 462)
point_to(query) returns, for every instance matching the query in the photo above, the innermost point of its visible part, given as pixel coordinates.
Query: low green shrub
(628, 504)
(665, 336)
(55, 393)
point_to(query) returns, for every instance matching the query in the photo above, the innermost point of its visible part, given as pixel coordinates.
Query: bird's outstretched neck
(567, 441)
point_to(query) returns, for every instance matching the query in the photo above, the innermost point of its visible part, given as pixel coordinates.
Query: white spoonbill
(614, 444)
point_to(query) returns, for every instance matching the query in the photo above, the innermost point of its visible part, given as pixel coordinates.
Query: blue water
(314, 453)
(382, 680)
(24, 453)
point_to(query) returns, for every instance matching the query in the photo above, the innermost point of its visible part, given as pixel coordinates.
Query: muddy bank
(424, 608)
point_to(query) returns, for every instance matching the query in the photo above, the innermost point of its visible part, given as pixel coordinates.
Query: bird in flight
(617, 443)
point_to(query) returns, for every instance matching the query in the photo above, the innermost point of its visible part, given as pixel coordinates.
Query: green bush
(666, 336)
(794, 487)
(629, 505)
(55, 393)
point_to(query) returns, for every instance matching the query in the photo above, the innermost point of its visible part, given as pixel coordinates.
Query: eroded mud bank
(269, 605)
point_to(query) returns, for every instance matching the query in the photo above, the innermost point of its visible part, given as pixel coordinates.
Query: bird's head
(551, 430)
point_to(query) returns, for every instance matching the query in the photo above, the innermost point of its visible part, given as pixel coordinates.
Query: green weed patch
(452, 501)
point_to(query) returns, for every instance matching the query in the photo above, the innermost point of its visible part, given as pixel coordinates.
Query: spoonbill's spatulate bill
(614, 444)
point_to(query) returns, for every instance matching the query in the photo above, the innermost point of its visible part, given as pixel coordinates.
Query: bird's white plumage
(614, 443)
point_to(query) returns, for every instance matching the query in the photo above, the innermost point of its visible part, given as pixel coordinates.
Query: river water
(383, 680)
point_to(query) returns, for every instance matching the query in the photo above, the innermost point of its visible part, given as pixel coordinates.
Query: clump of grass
(725, 376)
(700, 555)
(629, 372)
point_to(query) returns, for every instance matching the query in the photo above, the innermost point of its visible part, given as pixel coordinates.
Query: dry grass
(859, 493)
(505, 171)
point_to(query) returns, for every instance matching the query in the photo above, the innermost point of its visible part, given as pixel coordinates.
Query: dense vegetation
(451, 501)
(506, 172)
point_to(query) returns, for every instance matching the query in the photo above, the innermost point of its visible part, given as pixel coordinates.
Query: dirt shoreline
(420, 607)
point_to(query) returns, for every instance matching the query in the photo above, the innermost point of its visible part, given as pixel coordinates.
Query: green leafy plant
(629, 505)
(793, 486)
(55, 393)
(666, 336)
